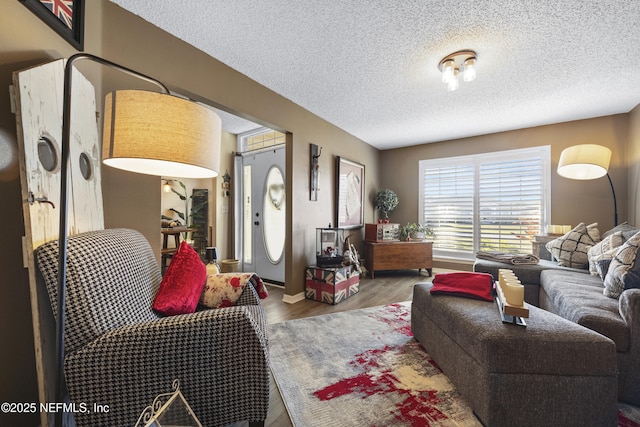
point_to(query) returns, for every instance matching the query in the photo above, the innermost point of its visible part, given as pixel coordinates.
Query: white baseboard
(292, 299)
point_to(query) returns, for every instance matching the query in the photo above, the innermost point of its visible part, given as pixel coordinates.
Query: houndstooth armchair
(119, 353)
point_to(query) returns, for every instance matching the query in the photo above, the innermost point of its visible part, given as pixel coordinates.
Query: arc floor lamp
(147, 132)
(588, 161)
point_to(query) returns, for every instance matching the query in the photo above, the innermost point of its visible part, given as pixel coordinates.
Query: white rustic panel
(39, 114)
(39, 99)
(85, 209)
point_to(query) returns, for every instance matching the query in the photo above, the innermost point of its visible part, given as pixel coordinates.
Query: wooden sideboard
(398, 256)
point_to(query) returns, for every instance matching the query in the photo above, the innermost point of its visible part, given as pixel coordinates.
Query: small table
(167, 252)
(398, 255)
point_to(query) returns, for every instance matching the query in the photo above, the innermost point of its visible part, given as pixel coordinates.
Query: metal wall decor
(314, 186)
(66, 17)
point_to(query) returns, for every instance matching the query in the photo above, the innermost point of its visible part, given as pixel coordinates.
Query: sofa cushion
(602, 266)
(182, 283)
(112, 276)
(605, 249)
(527, 274)
(579, 298)
(627, 230)
(624, 270)
(571, 249)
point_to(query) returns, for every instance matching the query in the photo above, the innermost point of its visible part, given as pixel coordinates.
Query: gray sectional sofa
(576, 295)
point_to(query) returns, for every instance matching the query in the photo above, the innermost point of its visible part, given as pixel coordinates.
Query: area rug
(364, 368)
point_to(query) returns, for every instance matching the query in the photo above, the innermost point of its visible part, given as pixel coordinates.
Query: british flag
(62, 9)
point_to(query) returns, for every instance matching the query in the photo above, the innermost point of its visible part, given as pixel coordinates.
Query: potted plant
(186, 217)
(385, 201)
(414, 231)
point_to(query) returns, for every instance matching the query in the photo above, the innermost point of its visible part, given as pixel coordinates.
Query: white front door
(264, 214)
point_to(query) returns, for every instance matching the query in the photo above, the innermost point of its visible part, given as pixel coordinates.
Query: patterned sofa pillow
(624, 270)
(571, 250)
(602, 265)
(594, 232)
(605, 249)
(627, 230)
(224, 290)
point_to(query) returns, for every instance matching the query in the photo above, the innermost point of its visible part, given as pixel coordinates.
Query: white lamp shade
(586, 161)
(160, 134)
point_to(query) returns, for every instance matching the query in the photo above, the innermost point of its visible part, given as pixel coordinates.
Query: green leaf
(180, 214)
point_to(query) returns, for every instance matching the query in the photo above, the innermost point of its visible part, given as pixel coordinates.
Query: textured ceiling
(370, 66)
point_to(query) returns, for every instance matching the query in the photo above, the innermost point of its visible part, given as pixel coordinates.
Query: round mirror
(47, 154)
(86, 166)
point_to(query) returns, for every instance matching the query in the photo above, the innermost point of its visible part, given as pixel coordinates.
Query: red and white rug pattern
(364, 368)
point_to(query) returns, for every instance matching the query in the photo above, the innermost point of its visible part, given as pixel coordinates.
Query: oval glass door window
(274, 215)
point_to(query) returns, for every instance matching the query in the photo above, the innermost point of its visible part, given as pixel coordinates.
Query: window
(489, 202)
(259, 139)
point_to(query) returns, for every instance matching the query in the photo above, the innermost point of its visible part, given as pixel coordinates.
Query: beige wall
(223, 215)
(571, 201)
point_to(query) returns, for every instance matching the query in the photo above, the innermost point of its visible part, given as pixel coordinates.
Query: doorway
(263, 208)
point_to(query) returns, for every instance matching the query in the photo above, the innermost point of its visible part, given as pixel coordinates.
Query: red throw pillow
(182, 283)
(463, 284)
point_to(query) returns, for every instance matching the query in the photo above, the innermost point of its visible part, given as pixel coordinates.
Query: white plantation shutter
(490, 202)
(448, 205)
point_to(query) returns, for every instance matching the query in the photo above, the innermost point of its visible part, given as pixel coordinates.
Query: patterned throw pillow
(624, 270)
(627, 230)
(224, 290)
(571, 249)
(593, 232)
(181, 284)
(605, 249)
(602, 266)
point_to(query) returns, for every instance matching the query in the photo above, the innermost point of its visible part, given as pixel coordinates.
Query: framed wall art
(66, 17)
(349, 193)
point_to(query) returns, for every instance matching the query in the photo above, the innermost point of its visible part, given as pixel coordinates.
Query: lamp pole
(64, 205)
(615, 204)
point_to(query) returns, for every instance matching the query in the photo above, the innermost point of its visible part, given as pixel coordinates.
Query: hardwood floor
(386, 288)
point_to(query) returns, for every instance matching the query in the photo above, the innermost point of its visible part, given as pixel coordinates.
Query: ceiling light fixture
(461, 61)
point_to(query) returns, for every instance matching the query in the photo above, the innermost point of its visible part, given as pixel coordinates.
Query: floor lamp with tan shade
(587, 161)
(146, 132)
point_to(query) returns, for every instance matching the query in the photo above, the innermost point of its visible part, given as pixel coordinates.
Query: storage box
(331, 285)
(329, 247)
(385, 232)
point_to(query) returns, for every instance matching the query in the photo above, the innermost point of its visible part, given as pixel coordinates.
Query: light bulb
(469, 69)
(166, 187)
(453, 83)
(447, 70)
